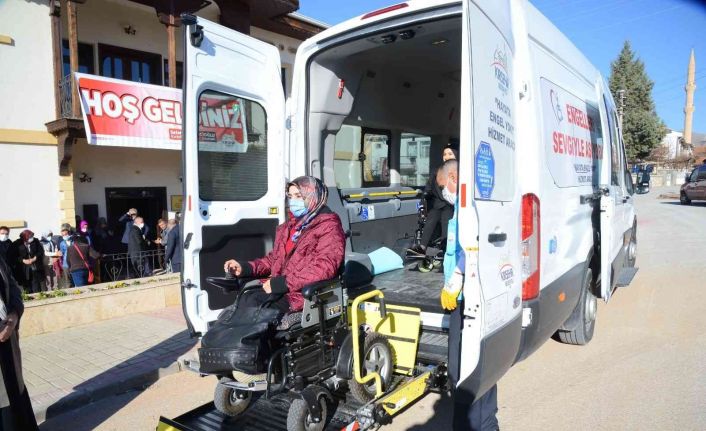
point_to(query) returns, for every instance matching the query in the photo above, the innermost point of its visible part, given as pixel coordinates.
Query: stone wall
(99, 302)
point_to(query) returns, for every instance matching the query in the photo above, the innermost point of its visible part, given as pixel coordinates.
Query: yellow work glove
(451, 290)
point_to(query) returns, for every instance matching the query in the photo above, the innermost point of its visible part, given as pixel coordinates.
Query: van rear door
(233, 143)
(489, 205)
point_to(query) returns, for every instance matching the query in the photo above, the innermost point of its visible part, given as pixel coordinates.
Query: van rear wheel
(583, 333)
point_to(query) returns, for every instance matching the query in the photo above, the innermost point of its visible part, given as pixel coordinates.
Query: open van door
(485, 338)
(233, 144)
(610, 199)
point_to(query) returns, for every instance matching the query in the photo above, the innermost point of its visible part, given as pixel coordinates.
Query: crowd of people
(43, 261)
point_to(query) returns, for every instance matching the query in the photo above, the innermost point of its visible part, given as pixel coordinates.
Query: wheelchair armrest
(310, 290)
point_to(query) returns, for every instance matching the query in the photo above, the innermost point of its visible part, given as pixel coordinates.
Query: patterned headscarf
(315, 195)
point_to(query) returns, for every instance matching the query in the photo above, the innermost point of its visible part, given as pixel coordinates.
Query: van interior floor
(409, 286)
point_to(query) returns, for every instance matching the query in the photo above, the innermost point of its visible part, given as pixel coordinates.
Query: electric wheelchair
(305, 355)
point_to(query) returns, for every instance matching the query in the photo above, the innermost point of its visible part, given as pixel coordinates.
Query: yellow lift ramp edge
(401, 326)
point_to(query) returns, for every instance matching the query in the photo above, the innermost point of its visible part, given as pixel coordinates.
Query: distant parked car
(694, 187)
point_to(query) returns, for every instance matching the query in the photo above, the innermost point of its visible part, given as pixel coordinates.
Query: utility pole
(621, 107)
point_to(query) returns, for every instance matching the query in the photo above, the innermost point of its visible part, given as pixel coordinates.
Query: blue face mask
(297, 207)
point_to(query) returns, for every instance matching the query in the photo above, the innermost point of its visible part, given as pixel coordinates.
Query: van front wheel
(583, 333)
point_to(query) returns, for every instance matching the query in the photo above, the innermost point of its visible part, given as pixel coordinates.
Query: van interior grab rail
(381, 194)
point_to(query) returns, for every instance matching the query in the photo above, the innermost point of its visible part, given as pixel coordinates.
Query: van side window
(347, 167)
(614, 152)
(232, 154)
(414, 159)
(376, 160)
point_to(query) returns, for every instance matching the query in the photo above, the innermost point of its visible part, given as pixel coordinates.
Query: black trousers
(258, 297)
(481, 414)
(434, 217)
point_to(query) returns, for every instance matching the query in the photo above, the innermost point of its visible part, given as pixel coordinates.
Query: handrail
(380, 194)
(356, 344)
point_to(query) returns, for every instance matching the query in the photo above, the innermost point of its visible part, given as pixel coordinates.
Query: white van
(546, 217)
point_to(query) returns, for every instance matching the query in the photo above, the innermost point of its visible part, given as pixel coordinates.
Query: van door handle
(497, 237)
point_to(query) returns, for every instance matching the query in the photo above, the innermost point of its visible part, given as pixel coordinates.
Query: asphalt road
(644, 370)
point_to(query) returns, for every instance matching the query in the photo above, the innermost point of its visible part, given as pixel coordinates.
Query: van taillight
(384, 10)
(530, 246)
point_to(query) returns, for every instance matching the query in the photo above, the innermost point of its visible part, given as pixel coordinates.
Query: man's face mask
(446, 193)
(3, 237)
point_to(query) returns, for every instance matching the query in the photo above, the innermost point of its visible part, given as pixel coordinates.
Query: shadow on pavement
(693, 204)
(128, 377)
(440, 419)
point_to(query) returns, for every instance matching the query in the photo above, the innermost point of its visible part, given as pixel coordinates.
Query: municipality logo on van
(500, 66)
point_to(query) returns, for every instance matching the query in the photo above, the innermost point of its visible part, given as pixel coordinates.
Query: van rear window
(232, 147)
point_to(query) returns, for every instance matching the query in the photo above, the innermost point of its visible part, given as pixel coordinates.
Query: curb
(81, 397)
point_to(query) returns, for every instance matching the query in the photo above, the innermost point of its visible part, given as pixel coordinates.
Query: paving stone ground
(70, 368)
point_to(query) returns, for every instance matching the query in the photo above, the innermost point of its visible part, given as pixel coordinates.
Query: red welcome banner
(131, 114)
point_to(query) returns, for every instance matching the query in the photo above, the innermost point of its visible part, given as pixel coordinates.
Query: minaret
(689, 107)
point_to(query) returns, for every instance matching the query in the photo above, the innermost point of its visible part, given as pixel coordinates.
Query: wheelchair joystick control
(229, 275)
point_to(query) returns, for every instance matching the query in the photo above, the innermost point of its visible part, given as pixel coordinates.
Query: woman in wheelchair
(309, 247)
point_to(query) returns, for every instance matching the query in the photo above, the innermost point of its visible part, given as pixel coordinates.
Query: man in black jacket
(173, 251)
(5, 244)
(136, 248)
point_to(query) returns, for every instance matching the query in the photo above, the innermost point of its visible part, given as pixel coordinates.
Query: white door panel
(233, 157)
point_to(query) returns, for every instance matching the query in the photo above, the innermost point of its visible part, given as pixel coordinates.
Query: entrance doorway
(150, 202)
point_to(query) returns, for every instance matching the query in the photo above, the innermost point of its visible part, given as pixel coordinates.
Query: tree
(643, 130)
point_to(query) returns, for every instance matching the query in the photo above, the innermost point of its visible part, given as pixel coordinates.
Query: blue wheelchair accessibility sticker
(485, 170)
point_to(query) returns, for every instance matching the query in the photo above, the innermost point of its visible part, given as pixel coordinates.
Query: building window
(179, 73)
(85, 57)
(129, 64)
(376, 158)
(414, 159)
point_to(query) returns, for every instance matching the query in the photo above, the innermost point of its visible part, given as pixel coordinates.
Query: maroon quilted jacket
(317, 256)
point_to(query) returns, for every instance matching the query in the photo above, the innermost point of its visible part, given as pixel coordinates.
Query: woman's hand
(27, 261)
(267, 287)
(7, 327)
(232, 266)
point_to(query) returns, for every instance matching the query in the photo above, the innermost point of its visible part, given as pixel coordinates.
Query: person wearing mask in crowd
(136, 248)
(129, 220)
(15, 405)
(440, 210)
(64, 248)
(52, 265)
(85, 232)
(468, 414)
(80, 254)
(30, 261)
(173, 250)
(5, 244)
(162, 238)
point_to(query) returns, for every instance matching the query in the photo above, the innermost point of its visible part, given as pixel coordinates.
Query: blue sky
(662, 33)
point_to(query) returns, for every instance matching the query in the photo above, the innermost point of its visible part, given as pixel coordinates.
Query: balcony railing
(66, 93)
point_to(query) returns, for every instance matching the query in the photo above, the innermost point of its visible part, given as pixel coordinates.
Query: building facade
(50, 174)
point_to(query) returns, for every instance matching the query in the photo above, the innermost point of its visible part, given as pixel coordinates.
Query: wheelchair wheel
(426, 265)
(229, 401)
(377, 358)
(299, 418)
